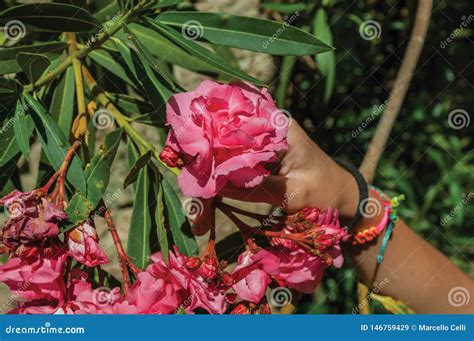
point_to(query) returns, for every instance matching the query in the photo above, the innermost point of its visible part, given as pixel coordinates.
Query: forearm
(412, 270)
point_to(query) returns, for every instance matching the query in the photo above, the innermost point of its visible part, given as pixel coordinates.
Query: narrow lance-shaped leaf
(52, 17)
(206, 55)
(98, 171)
(326, 61)
(177, 221)
(147, 78)
(9, 146)
(54, 143)
(138, 247)
(160, 217)
(63, 104)
(23, 127)
(33, 64)
(254, 34)
(8, 63)
(137, 167)
(107, 61)
(146, 56)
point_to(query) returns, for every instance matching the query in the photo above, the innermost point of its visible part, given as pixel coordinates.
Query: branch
(399, 90)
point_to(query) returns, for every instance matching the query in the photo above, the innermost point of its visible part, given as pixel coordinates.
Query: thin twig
(399, 90)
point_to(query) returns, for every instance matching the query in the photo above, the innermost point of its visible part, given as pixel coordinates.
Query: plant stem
(103, 37)
(80, 123)
(120, 119)
(60, 175)
(123, 257)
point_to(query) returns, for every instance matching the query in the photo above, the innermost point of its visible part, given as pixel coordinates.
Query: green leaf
(146, 57)
(107, 61)
(107, 11)
(78, 210)
(55, 144)
(177, 222)
(284, 75)
(139, 163)
(138, 247)
(160, 218)
(10, 91)
(62, 103)
(6, 172)
(148, 79)
(9, 147)
(8, 63)
(137, 110)
(326, 61)
(206, 55)
(52, 17)
(284, 8)
(156, 44)
(254, 34)
(33, 64)
(23, 127)
(98, 171)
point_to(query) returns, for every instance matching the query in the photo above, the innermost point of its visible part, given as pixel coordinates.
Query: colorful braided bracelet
(388, 221)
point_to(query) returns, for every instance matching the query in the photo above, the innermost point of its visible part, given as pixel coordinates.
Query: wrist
(335, 187)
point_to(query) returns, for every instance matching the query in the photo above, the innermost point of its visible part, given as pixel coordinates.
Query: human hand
(305, 176)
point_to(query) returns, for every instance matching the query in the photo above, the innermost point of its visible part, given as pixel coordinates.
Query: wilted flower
(32, 218)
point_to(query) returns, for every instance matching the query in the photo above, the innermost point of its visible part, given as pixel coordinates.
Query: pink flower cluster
(222, 134)
(36, 269)
(39, 277)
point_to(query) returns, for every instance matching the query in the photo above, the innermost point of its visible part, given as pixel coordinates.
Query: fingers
(272, 191)
(202, 222)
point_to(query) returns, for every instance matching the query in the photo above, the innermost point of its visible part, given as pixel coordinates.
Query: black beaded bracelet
(363, 190)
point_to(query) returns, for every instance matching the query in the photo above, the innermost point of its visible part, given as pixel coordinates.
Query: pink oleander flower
(301, 266)
(37, 274)
(253, 274)
(299, 269)
(84, 247)
(223, 134)
(32, 217)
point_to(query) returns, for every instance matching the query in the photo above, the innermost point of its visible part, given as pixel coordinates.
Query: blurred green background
(425, 158)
